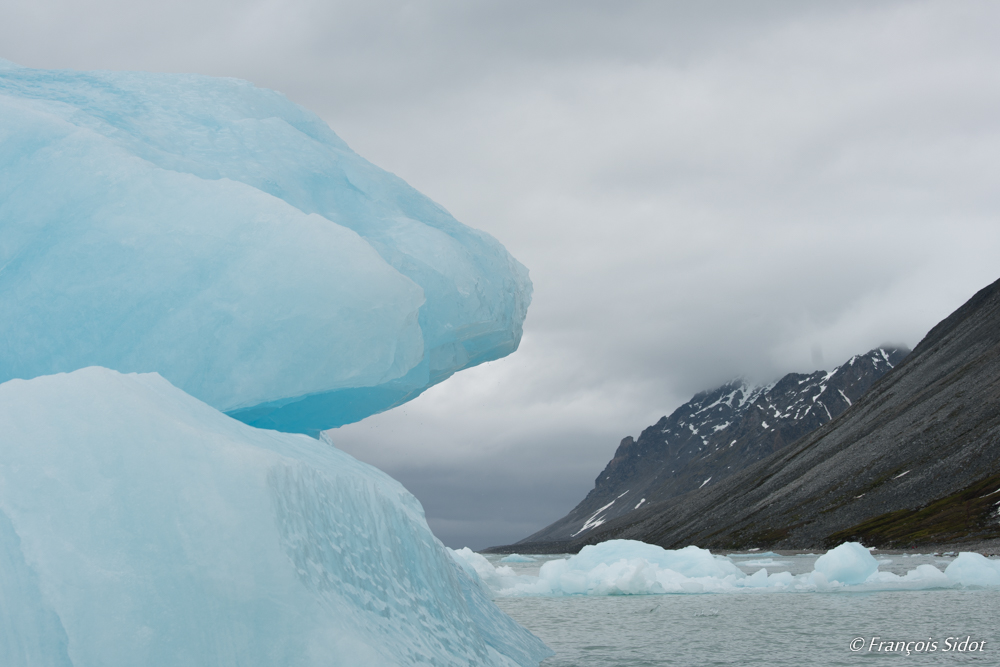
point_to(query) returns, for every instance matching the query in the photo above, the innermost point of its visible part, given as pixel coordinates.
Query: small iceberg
(850, 563)
(627, 567)
(972, 569)
(517, 558)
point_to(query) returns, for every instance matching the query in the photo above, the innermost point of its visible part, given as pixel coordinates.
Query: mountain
(716, 434)
(915, 461)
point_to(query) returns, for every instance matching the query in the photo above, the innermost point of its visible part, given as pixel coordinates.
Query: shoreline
(990, 547)
(984, 547)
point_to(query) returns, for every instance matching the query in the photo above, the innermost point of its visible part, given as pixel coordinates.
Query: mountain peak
(718, 433)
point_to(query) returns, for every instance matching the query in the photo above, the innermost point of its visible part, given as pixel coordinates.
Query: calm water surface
(761, 627)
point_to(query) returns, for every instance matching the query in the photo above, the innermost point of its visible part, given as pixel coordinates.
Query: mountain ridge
(718, 432)
(916, 461)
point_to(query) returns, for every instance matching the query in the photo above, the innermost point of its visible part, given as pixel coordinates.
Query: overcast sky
(699, 189)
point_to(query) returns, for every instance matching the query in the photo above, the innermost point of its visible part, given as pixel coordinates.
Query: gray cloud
(700, 190)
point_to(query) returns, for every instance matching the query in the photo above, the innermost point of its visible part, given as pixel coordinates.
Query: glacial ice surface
(627, 567)
(226, 238)
(140, 526)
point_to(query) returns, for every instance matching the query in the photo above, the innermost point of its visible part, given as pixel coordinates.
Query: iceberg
(224, 237)
(849, 563)
(628, 567)
(140, 526)
(972, 569)
(614, 567)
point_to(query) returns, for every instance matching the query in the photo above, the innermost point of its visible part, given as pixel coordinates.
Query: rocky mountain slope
(716, 434)
(916, 460)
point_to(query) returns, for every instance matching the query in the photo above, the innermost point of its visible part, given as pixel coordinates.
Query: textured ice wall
(139, 526)
(227, 239)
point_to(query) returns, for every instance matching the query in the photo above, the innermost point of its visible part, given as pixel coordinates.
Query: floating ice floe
(850, 563)
(625, 567)
(139, 526)
(972, 569)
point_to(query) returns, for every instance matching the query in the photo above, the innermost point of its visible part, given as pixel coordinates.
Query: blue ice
(140, 526)
(226, 238)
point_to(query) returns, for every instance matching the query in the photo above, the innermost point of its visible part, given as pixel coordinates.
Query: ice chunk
(139, 526)
(923, 576)
(627, 567)
(689, 561)
(473, 563)
(624, 567)
(850, 563)
(972, 569)
(226, 238)
(491, 579)
(517, 558)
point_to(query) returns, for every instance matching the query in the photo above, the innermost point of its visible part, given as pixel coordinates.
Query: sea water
(761, 627)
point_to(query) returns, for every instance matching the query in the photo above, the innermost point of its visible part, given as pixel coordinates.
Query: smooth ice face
(850, 563)
(225, 238)
(972, 569)
(139, 526)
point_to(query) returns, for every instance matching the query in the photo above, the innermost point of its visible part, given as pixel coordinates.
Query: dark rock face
(716, 434)
(916, 460)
